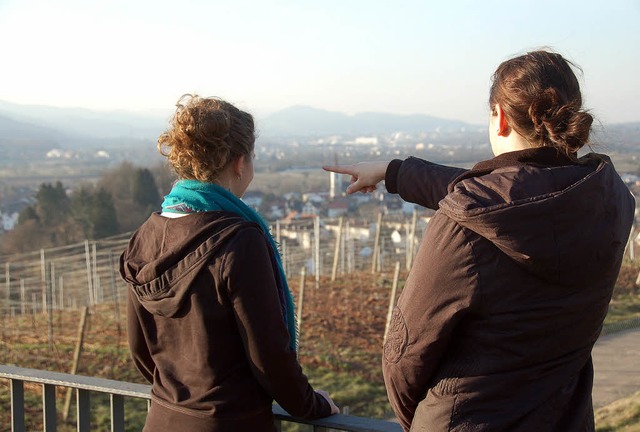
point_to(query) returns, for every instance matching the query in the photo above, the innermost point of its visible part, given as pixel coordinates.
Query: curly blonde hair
(204, 135)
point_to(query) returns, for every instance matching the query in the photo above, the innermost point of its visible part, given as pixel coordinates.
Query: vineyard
(342, 310)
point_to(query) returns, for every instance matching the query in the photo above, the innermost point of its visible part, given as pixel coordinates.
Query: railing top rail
(76, 381)
(343, 422)
(339, 421)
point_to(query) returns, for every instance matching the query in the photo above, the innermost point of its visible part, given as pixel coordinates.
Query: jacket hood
(564, 223)
(165, 255)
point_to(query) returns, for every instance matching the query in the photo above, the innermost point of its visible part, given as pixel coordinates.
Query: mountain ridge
(73, 127)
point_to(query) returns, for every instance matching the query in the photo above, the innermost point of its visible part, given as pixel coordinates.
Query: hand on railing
(334, 407)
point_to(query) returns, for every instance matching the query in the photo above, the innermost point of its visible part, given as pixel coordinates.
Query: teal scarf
(189, 196)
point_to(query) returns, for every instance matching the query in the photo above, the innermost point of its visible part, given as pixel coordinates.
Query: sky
(396, 56)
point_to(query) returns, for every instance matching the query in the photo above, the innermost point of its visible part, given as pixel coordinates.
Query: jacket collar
(541, 156)
(538, 156)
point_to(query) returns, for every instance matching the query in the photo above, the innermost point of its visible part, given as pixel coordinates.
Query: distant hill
(305, 120)
(10, 129)
(78, 126)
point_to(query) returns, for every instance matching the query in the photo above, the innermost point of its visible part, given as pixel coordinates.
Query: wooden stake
(7, 282)
(43, 270)
(76, 359)
(303, 279)
(114, 288)
(316, 230)
(412, 238)
(22, 297)
(87, 256)
(49, 294)
(392, 300)
(336, 253)
(374, 257)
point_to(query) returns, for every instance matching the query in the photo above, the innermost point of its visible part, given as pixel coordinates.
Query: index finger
(340, 169)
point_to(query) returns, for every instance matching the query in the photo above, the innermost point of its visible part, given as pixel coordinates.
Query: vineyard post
(116, 303)
(285, 258)
(392, 300)
(76, 359)
(374, 258)
(4, 338)
(61, 291)
(316, 233)
(49, 296)
(96, 281)
(22, 297)
(342, 248)
(631, 246)
(43, 279)
(350, 250)
(8, 308)
(303, 278)
(407, 228)
(52, 286)
(278, 231)
(87, 255)
(7, 282)
(412, 238)
(114, 288)
(336, 254)
(381, 246)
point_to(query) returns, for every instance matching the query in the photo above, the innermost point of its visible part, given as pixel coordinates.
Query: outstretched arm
(365, 176)
(416, 180)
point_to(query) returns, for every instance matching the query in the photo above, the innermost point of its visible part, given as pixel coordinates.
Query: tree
(94, 212)
(28, 214)
(133, 192)
(25, 237)
(164, 176)
(53, 205)
(144, 189)
(104, 218)
(81, 205)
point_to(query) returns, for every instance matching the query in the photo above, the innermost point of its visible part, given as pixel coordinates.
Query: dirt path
(616, 360)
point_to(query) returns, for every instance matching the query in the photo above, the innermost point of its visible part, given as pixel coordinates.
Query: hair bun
(560, 122)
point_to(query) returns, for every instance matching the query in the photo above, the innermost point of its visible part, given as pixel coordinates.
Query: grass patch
(621, 415)
(623, 308)
(353, 393)
(363, 397)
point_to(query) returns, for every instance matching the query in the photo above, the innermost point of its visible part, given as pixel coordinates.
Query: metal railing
(118, 390)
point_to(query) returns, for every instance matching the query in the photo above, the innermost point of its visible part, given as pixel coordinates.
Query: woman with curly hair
(510, 286)
(211, 320)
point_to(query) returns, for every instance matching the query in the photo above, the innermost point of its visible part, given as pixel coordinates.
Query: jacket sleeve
(254, 295)
(419, 181)
(438, 293)
(137, 342)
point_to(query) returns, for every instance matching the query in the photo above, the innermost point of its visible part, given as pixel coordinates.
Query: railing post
(117, 413)
(49, 407)
(17, 405)
(83, 410)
